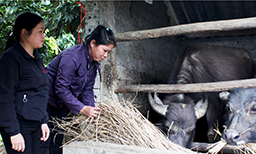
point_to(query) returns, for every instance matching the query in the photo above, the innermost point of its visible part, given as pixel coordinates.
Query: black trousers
(54, 143)
(31, 132)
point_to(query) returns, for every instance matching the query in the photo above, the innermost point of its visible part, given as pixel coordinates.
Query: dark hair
(24, 21)
(101, 35)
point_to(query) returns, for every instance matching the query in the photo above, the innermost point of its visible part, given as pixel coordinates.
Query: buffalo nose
(231, 136)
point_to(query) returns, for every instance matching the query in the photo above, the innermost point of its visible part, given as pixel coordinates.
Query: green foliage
(50, 49)
(61, 21)
(65, 41)
(53, 47)
(1, 140)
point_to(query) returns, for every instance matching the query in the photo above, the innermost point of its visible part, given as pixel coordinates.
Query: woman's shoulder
(15, 51)
(10, 53)
(76, 51)
(10, 58)
(75, 48)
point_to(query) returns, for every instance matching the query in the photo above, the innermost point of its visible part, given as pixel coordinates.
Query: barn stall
(149, 42)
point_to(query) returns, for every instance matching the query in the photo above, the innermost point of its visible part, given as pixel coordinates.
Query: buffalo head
(180, 116)
(241, 110)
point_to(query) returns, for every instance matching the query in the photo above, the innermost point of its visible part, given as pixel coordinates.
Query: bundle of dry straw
(119, 124)
(246, 148)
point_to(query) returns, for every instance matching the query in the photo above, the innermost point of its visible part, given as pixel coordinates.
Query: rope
(80, 39)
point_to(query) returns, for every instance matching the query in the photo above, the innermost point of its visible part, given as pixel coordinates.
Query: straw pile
(215, 148)
(246, 148)
(119, 124)
(2, 149)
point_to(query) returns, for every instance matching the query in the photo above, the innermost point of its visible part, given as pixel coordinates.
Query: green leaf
(62, 25)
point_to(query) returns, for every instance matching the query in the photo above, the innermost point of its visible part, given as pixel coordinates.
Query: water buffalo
(186, 116)
(241, 123)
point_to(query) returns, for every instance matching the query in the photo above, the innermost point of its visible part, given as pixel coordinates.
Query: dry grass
(215, 148)
(119, 124)
(246, 148)
(2, 149)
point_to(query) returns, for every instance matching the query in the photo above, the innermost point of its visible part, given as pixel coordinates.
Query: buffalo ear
(201, 108)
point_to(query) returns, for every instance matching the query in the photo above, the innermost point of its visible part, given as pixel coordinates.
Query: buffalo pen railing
(188, 88)
(244, 26)
(192, 88)
(200, 29)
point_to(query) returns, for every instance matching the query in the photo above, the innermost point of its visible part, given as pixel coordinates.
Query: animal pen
(246, 26)
(205, 29)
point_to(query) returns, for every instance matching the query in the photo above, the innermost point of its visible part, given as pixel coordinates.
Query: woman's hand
(45, 132)
(18, 142)
(90, 111)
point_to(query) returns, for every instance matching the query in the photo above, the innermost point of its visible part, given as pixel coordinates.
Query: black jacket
(23, 88)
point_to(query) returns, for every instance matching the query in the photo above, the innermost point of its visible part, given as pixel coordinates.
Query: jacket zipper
(88, 71)
(25, 100)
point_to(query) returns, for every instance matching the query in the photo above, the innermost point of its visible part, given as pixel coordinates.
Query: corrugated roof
(183, 12)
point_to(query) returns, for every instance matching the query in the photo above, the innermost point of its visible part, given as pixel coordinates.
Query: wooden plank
(188, 88)
(189, 29)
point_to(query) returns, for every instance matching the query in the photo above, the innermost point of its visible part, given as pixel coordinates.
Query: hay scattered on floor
(119, 124)
(2, 149)
(215, 148)
(247, 148)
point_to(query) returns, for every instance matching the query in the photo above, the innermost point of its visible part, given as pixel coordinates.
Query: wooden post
(205, 28)
(188, 88)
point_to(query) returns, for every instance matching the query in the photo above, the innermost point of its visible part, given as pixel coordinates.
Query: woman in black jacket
(24, 88)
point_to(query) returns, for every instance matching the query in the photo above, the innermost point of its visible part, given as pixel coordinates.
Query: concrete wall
(136, 62)
(88, 147)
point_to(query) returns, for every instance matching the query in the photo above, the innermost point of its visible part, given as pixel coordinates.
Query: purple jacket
(72, 74)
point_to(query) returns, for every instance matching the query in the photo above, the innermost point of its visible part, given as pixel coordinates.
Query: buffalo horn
(180, 97)
(201, 108)
(157, 104)
(224, 95)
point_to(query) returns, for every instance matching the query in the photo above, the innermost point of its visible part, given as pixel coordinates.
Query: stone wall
(136, 62)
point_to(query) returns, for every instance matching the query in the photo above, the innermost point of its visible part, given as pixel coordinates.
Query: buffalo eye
(168, 127)
(190, 132)
(170, 131)
(253, 109)
(228, 109)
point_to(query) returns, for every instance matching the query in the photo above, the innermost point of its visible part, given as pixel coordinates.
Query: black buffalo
(241, 123)
(194, 116)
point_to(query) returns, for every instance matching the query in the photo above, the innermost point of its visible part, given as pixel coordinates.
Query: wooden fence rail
(188, 88)
(200, 28)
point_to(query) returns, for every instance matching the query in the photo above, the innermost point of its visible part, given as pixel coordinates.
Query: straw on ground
(119, 123)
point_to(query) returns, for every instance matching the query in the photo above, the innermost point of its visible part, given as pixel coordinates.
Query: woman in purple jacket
(72, 76)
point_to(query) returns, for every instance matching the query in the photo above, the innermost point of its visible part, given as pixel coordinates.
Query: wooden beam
(188, 88)
(189, 29)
